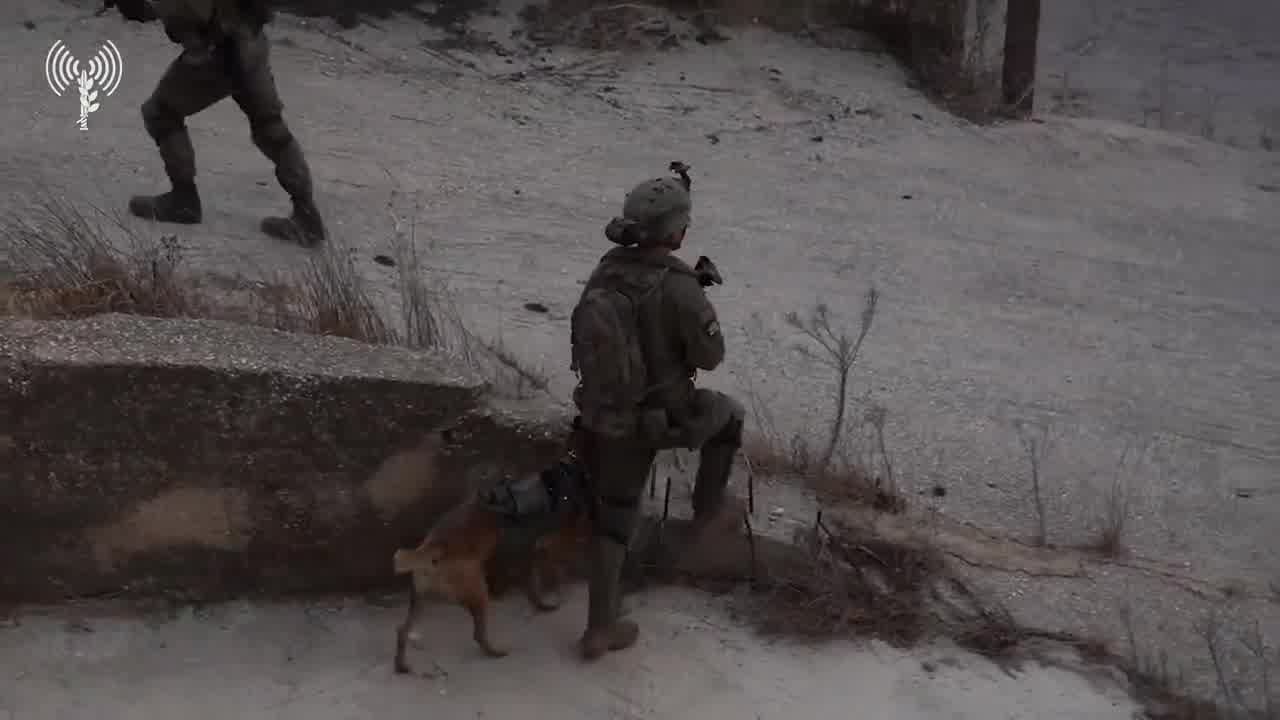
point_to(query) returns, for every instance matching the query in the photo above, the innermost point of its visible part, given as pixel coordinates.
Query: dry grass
(1115, 498)
(67, 265)
(66, 268)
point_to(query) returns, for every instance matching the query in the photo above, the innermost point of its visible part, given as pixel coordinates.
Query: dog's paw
(496, 652)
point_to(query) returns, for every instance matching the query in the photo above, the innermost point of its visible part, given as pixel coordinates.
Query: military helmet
(653, 210)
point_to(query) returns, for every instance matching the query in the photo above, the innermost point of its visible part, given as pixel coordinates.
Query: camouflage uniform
(225, 52)
(679, 334)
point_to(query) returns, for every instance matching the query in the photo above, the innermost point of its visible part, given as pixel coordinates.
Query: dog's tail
(401, 563)
(405, 561)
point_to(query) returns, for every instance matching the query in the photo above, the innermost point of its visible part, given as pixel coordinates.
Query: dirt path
(332, 662)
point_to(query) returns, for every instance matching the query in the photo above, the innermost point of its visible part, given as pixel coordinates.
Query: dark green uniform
(225, 52)
(679, 334)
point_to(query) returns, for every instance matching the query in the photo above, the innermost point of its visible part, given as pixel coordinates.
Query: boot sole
(168, 221)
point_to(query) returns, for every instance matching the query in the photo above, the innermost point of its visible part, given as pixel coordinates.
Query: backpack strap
(637, 310)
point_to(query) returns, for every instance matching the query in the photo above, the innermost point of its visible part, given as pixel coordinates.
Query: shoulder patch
(713, 328)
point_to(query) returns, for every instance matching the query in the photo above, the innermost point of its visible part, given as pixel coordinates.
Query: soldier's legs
(720, 421)
(185, 89)
(258, 98)
(619, 471)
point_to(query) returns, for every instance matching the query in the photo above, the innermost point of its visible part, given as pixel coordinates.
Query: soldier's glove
(708, 273)
(135, 10)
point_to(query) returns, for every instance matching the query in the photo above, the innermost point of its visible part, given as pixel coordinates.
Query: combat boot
(304, 227)
(179, 205)
(606, 630)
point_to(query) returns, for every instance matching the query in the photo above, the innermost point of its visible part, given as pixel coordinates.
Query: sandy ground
(1114, 281)
(1209, 68)
(334, 661)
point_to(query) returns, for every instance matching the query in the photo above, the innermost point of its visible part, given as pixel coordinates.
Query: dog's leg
(477, 603)
(402, 633)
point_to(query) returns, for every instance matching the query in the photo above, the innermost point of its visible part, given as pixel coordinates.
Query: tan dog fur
(451, 563)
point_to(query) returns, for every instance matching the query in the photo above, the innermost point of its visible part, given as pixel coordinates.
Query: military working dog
(546, 512)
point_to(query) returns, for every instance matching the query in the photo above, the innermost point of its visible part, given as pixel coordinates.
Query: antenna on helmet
(682, 170)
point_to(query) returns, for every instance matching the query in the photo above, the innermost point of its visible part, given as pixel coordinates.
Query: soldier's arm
(696, 323)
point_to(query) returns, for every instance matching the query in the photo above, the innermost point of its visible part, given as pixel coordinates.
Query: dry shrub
(332, 299)
(846, 581)
(1115, 518)
(66, 266)
(833, 473)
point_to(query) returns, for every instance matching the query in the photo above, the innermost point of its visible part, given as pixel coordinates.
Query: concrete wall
(206, 459)
(956, 47)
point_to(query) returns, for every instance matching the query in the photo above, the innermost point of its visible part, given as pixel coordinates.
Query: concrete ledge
(208, 459)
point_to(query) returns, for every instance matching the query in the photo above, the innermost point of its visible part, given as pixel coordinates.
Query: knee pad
(159, 121)
(271, 135)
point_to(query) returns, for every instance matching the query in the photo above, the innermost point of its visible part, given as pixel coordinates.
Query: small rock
(1268, 187)
(713, 138)
(816, 138)
(28, 25)
(384, 260)
(535, 307)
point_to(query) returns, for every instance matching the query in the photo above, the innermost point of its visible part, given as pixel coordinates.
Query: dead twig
(1037, 449)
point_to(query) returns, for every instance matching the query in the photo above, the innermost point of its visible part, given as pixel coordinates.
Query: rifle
(708, 273)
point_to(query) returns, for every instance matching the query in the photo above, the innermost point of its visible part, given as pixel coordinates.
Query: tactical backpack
(608, 358)
(537, 499)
